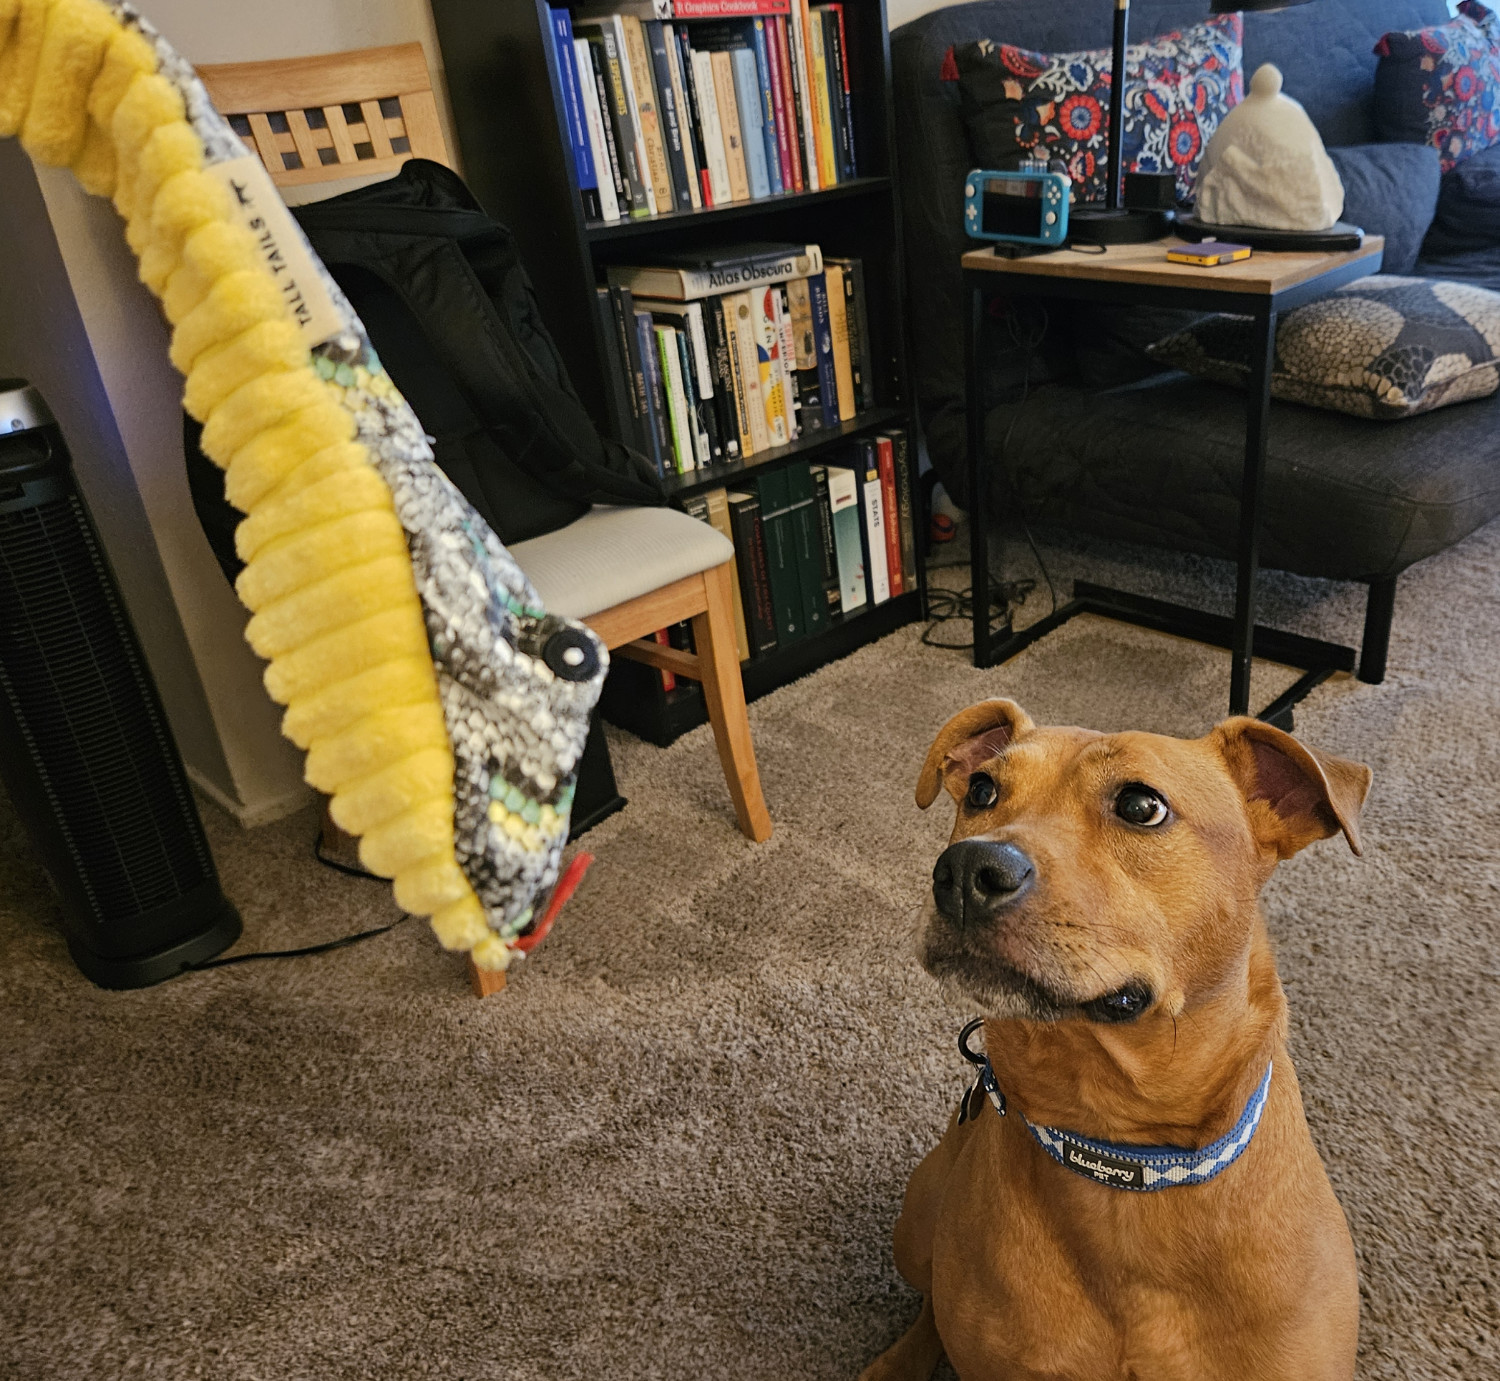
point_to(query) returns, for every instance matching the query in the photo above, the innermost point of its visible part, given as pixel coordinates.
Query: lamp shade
(1249, 6)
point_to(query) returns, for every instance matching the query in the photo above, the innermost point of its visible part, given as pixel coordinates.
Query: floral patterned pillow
(1019, 104)
(1441, 86)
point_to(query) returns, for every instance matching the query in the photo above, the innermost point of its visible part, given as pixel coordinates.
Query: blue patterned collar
(1116, 1164)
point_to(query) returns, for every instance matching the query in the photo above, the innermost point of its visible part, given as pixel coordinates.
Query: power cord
(348, 871)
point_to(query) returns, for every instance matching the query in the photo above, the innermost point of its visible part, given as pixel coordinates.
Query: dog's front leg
(913, 1356)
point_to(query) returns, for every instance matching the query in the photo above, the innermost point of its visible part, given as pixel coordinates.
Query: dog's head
(1103, 875)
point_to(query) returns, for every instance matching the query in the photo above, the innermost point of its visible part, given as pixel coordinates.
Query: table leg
(979, 502)
(1257, 422)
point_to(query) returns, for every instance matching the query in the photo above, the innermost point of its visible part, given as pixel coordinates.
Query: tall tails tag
(260, 209)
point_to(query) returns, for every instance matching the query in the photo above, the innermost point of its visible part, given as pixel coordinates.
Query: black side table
(1261, 288)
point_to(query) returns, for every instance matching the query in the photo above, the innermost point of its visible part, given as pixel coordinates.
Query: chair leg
(719, 656)
(1379, 610)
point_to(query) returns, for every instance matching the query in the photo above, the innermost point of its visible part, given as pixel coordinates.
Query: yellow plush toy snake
(441, 708)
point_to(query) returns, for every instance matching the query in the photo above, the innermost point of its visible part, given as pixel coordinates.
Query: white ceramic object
(1266, 165)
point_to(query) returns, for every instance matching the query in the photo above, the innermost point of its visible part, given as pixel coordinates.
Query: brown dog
(1099, 901)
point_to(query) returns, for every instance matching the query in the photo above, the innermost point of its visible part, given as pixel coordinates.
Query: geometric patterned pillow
(1441, 86)
(1018, 104)
(1384, 347)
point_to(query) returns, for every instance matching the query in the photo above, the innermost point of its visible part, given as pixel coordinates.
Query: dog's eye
(1139, 805)
(982, 794)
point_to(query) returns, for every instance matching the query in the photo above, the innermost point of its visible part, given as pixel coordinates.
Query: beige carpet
(676, 1147)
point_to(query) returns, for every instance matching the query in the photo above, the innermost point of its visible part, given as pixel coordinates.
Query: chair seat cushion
(611, 555)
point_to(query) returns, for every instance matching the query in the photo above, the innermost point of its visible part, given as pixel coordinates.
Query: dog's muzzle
(975, 879)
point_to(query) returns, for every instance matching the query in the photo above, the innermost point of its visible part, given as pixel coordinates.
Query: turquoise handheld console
(1024, 208)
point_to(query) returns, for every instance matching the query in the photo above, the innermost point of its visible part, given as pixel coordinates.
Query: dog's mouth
(1003, 990)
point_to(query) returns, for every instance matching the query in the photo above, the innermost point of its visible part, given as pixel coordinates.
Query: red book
(668, 680)
(789, 104)
(843, 43)
(886, 456)
(789, 176)
(728, 9)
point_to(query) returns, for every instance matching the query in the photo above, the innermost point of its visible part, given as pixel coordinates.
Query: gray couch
(1156, 457)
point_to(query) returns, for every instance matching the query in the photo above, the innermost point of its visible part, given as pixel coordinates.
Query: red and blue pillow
(1019, 104)
(1441, 85)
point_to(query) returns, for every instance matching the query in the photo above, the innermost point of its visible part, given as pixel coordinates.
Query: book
(670, 118)
(641, 83)
(767, 107)
(724, 323)
(902, 450)
(729, 125)
(873, 499)
(717, 503)
(838, 324)
(822, 118)
(728, 269)
(560, 56)
(817, 290)
(802, 80)
(755, 584)
(740, 323)
(846, 513)
(827, 547)
(692, 152)
(618, 380)
(861, 363)
(707, 107)
(768, 360)
(601, 137)
(886, 459)
(837, 113)
(792, 96)
(683, 451)
(792, 394)
(785, 126)
(656, 398)
(641, 9)
(726, 9)
(802, 506)
(752, 132)
(668, 678)
(605, 36)
(697, 437)
(694, 120)
(781, 557)
(843, 91)
(725, 400)
(595, 48)
(688, 318)
(805, 356)
(630, 349)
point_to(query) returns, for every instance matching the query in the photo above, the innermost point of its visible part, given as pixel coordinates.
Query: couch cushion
(1385, 347)
(1391, 190)
(1441, 85)
(1468, 209)
(1018, 103)
(1162, 462)
(1478, 266)
(611, 555)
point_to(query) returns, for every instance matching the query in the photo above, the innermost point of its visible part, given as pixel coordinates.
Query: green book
(809, 543)
(779, 525)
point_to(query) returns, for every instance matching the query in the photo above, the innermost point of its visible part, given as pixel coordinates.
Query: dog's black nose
(975, 878)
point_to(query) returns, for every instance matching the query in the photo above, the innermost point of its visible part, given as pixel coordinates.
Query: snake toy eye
(982, 793)
(1140, 805)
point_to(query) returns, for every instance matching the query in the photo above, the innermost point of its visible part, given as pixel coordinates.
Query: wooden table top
(1263, 272)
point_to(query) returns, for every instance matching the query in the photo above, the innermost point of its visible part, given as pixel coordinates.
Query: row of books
(698, 375)
(666, 116)
(815, 544)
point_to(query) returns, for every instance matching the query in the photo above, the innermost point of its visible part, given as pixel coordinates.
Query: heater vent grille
(89, 717)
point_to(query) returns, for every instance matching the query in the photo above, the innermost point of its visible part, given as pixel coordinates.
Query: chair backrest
(319, 119)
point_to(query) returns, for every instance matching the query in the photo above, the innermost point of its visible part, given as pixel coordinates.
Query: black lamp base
(1098, 225)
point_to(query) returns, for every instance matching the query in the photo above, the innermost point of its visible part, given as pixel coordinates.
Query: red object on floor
(567, 884)
(944, 529)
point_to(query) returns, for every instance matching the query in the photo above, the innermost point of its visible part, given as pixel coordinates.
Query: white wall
(74, 319)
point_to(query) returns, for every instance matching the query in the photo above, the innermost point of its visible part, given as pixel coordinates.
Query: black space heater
(85, 750)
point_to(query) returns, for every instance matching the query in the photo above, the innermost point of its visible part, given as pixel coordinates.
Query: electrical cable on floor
(944, 606)
(348, 870)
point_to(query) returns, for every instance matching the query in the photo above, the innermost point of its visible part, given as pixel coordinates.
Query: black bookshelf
(517, 159)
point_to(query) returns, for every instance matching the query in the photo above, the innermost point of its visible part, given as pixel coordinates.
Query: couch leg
(1379, 609)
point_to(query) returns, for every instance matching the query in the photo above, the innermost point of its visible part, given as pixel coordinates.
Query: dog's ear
(1296, 795)
(968, 741)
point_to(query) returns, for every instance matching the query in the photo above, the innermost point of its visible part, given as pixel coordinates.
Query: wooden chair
(323, 119)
